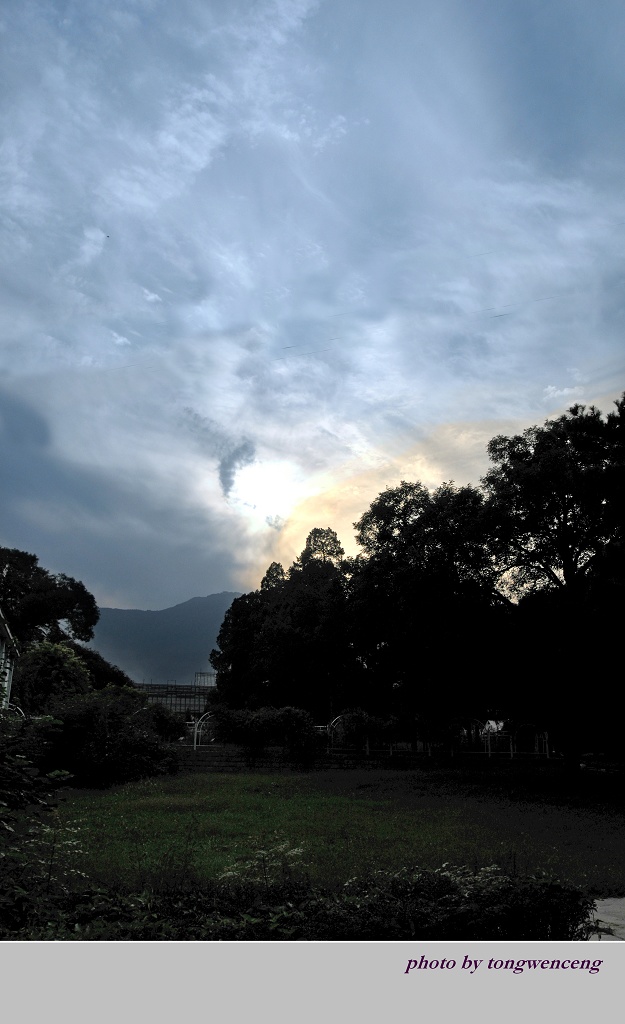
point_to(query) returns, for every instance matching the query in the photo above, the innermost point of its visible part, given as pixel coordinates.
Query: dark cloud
(21, 425)
(102, 528)
(217, 443)
(242, 455)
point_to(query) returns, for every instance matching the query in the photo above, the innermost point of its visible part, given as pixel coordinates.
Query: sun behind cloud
(453, 451)
(267, 492)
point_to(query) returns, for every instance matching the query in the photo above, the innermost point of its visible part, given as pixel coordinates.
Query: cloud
(553, 392)
(132, 543)
(257, 258)
(242, 455)
(232, 454)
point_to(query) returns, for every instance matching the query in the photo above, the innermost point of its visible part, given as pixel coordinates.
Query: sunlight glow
(267, 492)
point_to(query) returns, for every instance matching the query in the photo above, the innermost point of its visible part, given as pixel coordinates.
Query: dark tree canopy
(322, 545)
(288, 643)
(442, 536)
(465, 602)
(558, 497)
(40, 605)
(423, 596)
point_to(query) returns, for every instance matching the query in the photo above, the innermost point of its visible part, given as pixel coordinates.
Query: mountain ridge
(167, 645)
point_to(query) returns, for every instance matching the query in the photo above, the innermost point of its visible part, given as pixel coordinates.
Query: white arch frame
(330, 728)
(196, 730)
(14, 708)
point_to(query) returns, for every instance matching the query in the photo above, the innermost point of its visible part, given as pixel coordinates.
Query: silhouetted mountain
(165, 645)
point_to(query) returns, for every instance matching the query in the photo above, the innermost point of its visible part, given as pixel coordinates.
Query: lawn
(184, 829)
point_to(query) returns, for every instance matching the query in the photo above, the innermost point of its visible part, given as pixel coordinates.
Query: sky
(262, 259)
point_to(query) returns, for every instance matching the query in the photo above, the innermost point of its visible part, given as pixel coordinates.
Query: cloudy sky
(263, 258)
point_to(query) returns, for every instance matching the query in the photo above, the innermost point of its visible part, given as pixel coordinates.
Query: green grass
(189, 828)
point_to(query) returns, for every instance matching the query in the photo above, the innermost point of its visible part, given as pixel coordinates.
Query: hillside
(172, 644)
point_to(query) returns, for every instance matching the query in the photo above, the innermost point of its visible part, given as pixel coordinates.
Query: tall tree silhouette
(557, 496)
(287, 643)
(425, 595)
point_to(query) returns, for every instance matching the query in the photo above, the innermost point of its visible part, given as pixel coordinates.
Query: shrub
(264, 900)
(288, 727)
(102, 738)
(37, 853)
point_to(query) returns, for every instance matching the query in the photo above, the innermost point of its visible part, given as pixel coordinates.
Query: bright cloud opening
(267, 492)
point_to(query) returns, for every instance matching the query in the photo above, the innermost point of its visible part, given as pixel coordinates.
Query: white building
(8, 654)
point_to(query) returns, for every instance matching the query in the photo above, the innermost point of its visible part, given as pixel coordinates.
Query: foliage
(322, 545)
(291, 728)
(278, 862)
(101, 672)
(528, 569)
(106, 737)
(37, 850)
(40, 605)
(101, 737)
(557, 495)
(423, 594)
(288, 642)
(48, 672)
(449, 903)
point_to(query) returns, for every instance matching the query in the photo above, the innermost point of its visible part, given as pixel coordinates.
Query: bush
(47, 672)
(290, 728)
(265, 900)
(37, 853)
(102, 738)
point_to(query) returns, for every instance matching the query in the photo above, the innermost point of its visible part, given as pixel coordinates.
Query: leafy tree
(425, 594)
(239, 674)
(48, 672)
(274, 578)
(322, 545)
(287, 642)
(304, 643)
(43, 606)
(557, 493)
(525, 573)
(444, 535)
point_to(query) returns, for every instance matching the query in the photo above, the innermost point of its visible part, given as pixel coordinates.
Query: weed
(280, 862)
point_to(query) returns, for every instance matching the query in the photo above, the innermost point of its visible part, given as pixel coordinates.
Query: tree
(274, 579)
(423, 596)
(557, 493)
(239, 674)
(48, 670)
(322, 545)
(444, 535)
(287, 643)
(41, 605)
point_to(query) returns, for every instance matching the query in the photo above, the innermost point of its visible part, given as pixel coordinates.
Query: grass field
(181, 830)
